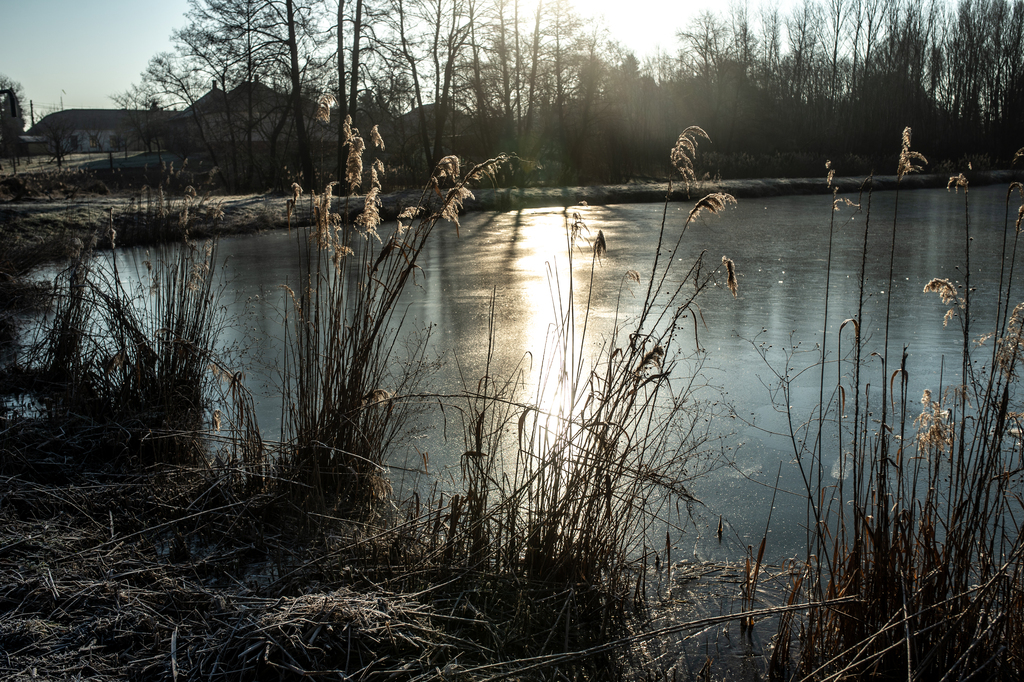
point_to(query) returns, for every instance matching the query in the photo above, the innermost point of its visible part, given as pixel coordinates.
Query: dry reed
(923, 540)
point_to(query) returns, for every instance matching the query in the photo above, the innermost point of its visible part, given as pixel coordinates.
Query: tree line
(833, 79)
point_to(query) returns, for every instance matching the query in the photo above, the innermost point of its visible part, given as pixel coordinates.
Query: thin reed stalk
(345, 391)
(926, 547)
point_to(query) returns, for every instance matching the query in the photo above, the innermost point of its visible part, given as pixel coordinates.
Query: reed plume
(293, 202)
(376, 172)
(453, 204)
(909, 160)
(713, 203)
(947, 292)
(376, 139)
(370, 218)
(943, 287)
(934, 430)
(684, 151)
(1011, 346)
(730, 268)
(346, 130)
(600, 245)
(447, 166)
(323, 109)
(653, 358)
(354, 168)
(489, 169)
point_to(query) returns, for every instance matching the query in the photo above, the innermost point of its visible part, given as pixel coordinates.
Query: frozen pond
(780, 247)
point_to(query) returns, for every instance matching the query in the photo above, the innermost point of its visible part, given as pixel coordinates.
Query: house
(92, 130)
(249, 114)
(31, 145)
(247, 132)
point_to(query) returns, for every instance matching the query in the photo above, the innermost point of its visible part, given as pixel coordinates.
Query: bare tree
(58, 129)
(802, 28)
(431, 36)
(242, 45)
(358, 21)
(173, 79)
(144, 118)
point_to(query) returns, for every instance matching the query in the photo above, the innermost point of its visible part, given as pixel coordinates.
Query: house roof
(238, 97)
(82, 119)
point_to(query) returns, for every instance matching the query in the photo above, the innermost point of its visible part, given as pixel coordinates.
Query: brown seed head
(370, 218)
(932, 424)
(488, 168)
(323, 109)
(1011, 347)
(956, 182)
(908, 159)
(842, 201)
(685, 150)
(714, 202)
(375, 138)
(377, 395)
(943, 287)
(354, 169)
(346, 130)
(653, 358)
(600, 245)
(448, 166)
(730, 268)
(376, 173)
(453, 203)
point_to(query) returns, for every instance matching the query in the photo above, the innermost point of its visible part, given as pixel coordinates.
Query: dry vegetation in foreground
(160, 535)
(151, 532)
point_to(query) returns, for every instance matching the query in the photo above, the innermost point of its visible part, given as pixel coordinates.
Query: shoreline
(81, 214)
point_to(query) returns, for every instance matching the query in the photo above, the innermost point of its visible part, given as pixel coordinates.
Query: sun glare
(552, 330)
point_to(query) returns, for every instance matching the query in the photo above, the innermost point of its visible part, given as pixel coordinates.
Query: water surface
(740, 345)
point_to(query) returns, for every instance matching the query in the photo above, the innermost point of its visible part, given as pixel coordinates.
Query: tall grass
(561, 489)
(346, 390)
(153, 216)
(568, 487)
(923, 532)
(564, 487)
(135, 352)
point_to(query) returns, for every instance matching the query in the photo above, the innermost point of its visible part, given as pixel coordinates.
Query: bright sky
(79, 52)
